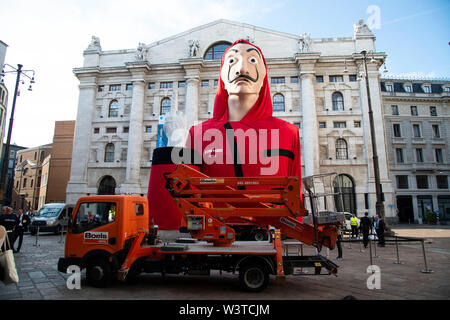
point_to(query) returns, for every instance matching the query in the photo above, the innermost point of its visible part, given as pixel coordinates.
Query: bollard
(375, 251)
(426, 270)
(37, 236)
(398, 256)
(370, 251)
(61, 239)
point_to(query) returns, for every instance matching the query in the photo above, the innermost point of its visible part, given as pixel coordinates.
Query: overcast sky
(49, 36)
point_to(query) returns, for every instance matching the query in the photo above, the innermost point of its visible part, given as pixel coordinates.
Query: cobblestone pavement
(39, 278)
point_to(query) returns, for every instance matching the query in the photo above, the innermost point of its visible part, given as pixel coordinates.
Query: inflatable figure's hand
(175, 127)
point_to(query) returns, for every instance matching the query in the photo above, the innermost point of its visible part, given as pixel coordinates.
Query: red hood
(262, 109)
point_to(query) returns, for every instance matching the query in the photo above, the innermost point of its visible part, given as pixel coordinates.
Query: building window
(114, 87)
(357, 124)
(338, 101)
(436, 131)
(341, 149)
(414, 111)
(181, 84)
(278, 102)
(298, 125)
(394, 110)
(277, 80)
(113, 109)
(165, 106)
(345, 201)
(408, 88)
(151, 85)
(442, 182)
(352, 78)
(24, 183)
(399, 154)
(294, 79)
(322, 124)
(402, 182)
(397, 130)
(216, 51)
(148, 129)
(166, 85)
(433, 112)
(339, 124)
(216, 83)
(96, 130)
(439, 155)
(319, 79)
(31, 184)
(109, 152)
(416, 131)
(447, 89)
(100, 88)
(389, 87)
(426, 89)
(422, 182)
(129, 86)
(126, 129)
(419, 155)
(111, 130)
(205, 83)
(336, 79)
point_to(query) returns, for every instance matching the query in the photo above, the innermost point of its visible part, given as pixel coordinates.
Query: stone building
(316, 84)
(416, 113)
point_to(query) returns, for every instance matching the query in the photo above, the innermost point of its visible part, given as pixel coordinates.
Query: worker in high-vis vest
(354, 225)
(112, 214)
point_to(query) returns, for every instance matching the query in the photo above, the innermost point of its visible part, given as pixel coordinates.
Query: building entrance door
(405, 209)
(107, 186)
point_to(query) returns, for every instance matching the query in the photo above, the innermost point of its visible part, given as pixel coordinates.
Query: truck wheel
(98, 273)
(259, 236)
(58, 229)
(253, 277)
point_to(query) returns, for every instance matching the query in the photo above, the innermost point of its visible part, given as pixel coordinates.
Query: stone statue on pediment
(361, 29)
(95, 44)
(194, 46)
(249, 39)
(141, 52)
(305, 42)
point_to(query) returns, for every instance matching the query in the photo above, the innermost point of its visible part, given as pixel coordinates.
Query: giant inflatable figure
(242, 139)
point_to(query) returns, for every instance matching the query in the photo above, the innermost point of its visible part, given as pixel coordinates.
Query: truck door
(94, 227)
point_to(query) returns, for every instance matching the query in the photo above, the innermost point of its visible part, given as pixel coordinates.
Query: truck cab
(100, 233)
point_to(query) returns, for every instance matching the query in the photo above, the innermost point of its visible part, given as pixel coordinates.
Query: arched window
(345, 201)
(109, 152)
(341, 149)
(215, 52)
(338, 101)
(278, 102)
(113, 109)
(107, 186)
(165, 106)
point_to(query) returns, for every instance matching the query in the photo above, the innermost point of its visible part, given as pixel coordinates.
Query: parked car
(348, 216)
(52, 217)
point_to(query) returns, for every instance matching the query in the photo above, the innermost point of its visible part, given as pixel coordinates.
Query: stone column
(192, 68)
(310, 134)
(77, 185)
(135, 140)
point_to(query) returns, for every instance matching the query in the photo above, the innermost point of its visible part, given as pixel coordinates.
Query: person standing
(379, 228)
(339, 245)
(366, 226)
(23, 222)
(9, 221)
(354, 225)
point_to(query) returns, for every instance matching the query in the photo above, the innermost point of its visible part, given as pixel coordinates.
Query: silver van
(52, 217)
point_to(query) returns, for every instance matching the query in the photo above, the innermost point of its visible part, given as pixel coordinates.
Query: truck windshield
(92, 215)
(48, 212)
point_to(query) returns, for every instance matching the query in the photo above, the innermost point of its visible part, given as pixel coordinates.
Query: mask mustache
(246, 77)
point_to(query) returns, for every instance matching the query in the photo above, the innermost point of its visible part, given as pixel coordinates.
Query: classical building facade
(317, 84)
(417, 120)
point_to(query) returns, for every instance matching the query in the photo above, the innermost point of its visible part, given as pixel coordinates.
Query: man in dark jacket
(23, 222)
(365, 225)
(379, 228)
(9, 221)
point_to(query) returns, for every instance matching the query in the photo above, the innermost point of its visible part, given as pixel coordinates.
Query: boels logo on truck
(95, 237)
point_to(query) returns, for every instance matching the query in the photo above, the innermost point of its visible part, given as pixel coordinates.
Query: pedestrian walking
(9, 221)
(23, 222)
(354, 225)
(366, 227)
(379, 228)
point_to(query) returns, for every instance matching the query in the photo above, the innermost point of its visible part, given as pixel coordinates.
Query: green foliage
(430, 217)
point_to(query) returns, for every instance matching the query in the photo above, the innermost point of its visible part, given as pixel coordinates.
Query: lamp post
(379, 207)
(19, 72)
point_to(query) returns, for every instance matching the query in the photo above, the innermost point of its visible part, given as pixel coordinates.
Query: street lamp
(379, 207)
(19, 72)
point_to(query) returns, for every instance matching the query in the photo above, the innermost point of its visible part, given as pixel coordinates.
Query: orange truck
(111, 237)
